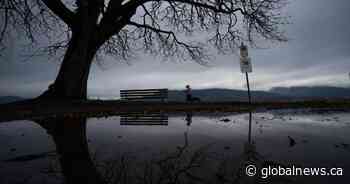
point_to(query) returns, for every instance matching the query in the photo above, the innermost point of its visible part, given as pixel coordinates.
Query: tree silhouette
(83, 29)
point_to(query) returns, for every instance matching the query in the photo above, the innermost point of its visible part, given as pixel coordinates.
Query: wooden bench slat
(137, 97)
(145, 120)
(143, 97)
(141, 90)
(150, 120)
(136, 90)
(140, 94)
(143, 116)
(143, 123)
(144, 92)
(135, 94)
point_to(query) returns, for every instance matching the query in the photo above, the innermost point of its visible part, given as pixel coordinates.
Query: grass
(102, 108)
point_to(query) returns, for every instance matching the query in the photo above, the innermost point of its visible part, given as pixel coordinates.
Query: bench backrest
(140, 94)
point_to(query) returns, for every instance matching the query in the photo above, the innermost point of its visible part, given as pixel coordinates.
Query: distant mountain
(312, 92)
(217, 95)
(9, 99)
(224, 95)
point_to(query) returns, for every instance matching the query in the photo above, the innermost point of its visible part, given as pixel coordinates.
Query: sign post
(246, 66)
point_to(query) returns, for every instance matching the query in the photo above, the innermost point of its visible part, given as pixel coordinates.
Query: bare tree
(84, 28)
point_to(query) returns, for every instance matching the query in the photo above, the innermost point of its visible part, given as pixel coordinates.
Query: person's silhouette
(188, 93)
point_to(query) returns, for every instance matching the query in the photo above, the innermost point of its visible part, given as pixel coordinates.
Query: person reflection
(69, 136)
(188, 118)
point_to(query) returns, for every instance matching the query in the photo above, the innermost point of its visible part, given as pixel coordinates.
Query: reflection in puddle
(189, 149)
(137, 118)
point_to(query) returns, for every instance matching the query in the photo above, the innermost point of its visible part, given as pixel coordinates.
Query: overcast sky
(318, 53)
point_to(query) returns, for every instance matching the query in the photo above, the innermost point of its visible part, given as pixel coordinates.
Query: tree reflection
(69, 135)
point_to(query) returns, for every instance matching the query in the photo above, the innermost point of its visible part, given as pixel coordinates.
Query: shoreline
(102, 108)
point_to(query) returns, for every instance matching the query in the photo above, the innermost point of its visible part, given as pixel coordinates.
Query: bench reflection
(141, 118)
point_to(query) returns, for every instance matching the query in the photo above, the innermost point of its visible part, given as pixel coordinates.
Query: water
(182, 148)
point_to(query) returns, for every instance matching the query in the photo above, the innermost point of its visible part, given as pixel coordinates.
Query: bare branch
(59, 9)
(158, 27)
(169, 44)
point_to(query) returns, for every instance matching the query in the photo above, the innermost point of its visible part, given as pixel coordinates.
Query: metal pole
(249, 97)
(250, 128)
(250, 112)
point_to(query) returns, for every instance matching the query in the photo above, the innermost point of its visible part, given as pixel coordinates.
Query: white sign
(246, 65)
(245, 61)
(244, 51)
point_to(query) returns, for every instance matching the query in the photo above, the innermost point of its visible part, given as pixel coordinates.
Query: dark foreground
(185, 147)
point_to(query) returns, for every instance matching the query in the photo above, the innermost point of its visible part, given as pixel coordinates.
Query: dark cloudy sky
(318, 53)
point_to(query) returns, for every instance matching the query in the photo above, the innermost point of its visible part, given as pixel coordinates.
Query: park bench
(142, 94)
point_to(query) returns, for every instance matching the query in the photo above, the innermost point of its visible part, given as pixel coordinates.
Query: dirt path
(96, 108)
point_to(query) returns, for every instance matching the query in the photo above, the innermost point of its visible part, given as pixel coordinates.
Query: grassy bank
(97, 108)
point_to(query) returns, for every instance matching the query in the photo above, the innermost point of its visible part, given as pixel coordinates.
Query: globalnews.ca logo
(266, 172)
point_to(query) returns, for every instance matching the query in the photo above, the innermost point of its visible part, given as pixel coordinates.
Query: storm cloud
(317, 53)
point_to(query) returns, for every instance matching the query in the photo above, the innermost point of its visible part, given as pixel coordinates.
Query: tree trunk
(71, 81)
